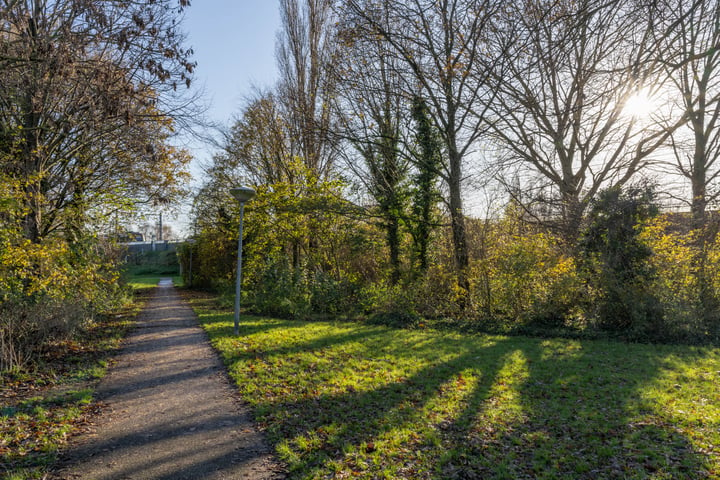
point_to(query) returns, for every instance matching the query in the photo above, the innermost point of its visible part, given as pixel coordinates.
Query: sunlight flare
(640, 105)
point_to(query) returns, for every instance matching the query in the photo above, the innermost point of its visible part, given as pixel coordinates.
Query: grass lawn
(344, 400)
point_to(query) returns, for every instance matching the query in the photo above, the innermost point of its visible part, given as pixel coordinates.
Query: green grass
(343, 400)
(34, 429)
(141, 282)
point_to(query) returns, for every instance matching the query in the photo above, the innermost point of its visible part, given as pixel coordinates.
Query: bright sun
(640, 105)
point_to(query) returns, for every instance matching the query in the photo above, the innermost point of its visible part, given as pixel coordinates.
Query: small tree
(617, 260)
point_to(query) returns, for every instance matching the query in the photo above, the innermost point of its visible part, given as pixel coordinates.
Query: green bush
(290, 292)
(280, 291)
(49, 290)
(161, 262)
(385, 301)
(329, 295)
(617, 261)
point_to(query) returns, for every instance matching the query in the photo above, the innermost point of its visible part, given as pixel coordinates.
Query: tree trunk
(31, 171)
(706, 237)
(698, 179)
(457, 221)
(573, 212)
(393, 239)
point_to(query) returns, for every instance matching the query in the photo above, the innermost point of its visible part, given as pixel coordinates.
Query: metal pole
(239, 271)
(242, 195)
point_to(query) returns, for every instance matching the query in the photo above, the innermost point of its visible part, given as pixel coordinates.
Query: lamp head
(243, 194)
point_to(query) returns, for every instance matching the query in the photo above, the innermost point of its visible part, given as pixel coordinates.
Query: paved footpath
(171, 412)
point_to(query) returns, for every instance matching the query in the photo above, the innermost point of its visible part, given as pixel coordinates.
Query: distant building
(125, 237)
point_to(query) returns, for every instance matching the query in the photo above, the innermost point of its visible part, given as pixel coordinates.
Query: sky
(234, 47)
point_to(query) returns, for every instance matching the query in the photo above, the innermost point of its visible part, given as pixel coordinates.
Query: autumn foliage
(84, 137)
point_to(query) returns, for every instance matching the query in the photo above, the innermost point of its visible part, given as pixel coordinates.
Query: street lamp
(242, 195)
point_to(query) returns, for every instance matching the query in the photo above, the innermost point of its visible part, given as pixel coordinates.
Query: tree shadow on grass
(358, 420)
(580, 415)
(247, 350)
(493, 408)
(221, 323)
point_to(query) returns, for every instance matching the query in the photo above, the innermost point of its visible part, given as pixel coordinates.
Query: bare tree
(84, 92)
(371, 111)
(567, 71)
(440, 43)
(304, 50)
(689, 35)
(259, 145)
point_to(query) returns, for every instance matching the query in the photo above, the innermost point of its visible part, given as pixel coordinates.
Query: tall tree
(567, 71)
(425, 196)
(689, 35)
(440, 43)
(84, 90)
(259, 145)
(305, 48)
(370, 111)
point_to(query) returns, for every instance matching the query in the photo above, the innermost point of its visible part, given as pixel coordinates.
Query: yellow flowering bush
(682, 262)
(528, 279)
(47, 289)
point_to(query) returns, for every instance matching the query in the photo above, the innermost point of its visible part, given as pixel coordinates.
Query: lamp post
(242, 195)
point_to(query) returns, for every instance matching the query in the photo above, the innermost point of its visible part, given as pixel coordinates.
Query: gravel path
(171, 412)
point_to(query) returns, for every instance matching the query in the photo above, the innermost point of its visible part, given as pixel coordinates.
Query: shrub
(280, 291)
(522, 276)
(48, 291)
(389, 304)
(531, 281)
(617, 260)
(329, 295)
(677, 280)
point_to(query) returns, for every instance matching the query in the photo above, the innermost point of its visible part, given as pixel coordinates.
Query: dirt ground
(171, 412)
